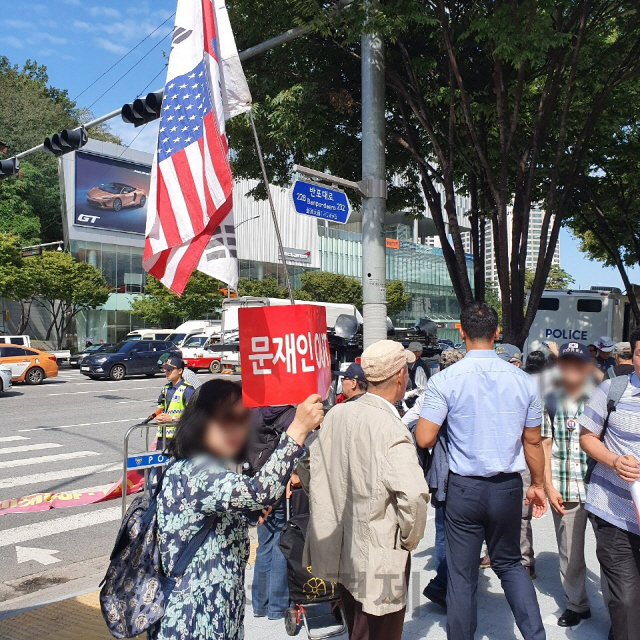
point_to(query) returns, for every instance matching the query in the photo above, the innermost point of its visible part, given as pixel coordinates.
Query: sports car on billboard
(115, 195)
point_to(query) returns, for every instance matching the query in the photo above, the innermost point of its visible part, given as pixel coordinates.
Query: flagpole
(283, 258)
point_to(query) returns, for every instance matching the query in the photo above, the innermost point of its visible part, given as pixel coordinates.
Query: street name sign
(318, 201)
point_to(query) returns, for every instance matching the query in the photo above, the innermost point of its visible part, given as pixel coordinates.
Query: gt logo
(83, 217)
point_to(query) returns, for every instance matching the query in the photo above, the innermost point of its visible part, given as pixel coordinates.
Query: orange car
(115, 195)
(28, 365)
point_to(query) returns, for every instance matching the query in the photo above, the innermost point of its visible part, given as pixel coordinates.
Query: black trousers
(488, 509)
(618, 552)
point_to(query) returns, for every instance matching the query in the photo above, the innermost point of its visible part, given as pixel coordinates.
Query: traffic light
(9, 167)
(143, 110)
(66, 141)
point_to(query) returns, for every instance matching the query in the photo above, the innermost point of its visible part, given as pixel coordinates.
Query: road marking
(52, 476)
(12, 438)
(28, 447)
(75, 393)
(46, 459)
(51, 527)
(130, 401)
(82, 424)
(43, 556)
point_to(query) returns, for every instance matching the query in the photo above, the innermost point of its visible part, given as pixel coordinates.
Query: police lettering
(566, 334)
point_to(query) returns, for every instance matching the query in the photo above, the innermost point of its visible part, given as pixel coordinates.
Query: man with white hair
(368, 498)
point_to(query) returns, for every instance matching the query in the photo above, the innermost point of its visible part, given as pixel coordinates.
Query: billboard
(111, 193)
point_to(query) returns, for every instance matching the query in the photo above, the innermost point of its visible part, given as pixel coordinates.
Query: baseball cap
(509, 352)
(623, 348)
(353, 372)
(606, 344)
(172, 362)
(574, 350)
(384, 358)
(415, 346)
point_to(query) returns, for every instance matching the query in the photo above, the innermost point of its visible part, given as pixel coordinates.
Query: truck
(196, 353)
(580, 315)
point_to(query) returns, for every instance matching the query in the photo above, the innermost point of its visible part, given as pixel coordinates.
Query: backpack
(264, 439)
(135, 590)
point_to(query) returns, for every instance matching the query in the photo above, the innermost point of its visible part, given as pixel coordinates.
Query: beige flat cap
(384, 358)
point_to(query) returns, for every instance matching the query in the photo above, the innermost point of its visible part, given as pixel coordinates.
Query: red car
(115, 195)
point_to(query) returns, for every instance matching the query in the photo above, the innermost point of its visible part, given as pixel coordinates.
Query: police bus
(580, 316)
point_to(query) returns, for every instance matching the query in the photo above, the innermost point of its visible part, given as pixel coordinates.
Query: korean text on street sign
(318, 201)
(284, 354)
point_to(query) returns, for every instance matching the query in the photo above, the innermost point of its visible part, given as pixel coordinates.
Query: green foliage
(265, 288)
(558, 278)
(493, 299)
(64, 288)
(322, 286)
(162, 307)
(30, 110)
(397, 299)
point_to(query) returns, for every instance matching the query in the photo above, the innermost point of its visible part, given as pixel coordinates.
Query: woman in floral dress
(208, 600)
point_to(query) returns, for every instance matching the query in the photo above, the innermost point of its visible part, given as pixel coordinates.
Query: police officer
(174, 397)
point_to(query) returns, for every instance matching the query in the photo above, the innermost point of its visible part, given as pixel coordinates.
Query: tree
(265, 288)
(322, 286)
(17, 278)
(162, 307)
(500, 99)
(397, 299)
(64, 288)
(605, 212)
(30, 110)
(558, 278)
(493, 299)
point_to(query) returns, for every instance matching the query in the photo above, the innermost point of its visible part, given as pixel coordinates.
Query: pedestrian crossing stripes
(13, 438)
(8, 464)
(51, 527)
(40, 479)
(4, 451)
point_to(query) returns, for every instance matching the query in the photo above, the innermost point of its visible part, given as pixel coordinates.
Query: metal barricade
(146, 460)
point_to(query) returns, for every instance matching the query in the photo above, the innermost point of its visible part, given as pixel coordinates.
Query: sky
(107, 53)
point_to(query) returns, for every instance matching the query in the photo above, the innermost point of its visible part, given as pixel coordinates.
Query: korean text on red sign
(284, 354)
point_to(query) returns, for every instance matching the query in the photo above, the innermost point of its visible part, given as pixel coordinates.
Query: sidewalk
(79, 618)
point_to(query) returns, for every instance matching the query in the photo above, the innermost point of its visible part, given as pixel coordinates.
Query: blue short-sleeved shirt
(487, 402)
(608, 496)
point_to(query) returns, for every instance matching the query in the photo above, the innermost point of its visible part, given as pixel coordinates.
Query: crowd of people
(498, 441)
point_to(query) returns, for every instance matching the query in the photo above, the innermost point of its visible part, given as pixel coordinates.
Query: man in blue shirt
(493, 416)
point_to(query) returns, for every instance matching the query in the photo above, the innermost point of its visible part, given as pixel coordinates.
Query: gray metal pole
(374, 272)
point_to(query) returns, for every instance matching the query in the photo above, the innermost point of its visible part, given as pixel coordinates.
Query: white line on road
(46, 459)
(12, 438)
(130, 401)
(75, 393)
(28, 447)
(52, 476)
(52, 527)
(82, 424)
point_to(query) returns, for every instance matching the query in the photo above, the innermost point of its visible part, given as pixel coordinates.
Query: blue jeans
(440, 581)
(270, 591)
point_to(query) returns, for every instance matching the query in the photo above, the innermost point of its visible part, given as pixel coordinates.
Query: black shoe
(435, 595)
(572, 618)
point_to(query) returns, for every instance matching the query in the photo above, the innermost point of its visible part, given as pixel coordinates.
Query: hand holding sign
(309, 415)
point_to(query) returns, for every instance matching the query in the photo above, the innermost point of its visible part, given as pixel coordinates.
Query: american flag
(189, 212)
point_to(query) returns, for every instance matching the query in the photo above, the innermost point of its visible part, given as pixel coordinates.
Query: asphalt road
(66, 434)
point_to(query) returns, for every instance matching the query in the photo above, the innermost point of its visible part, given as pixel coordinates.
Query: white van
(148, 334)
(24, 341)
(191, 328)
(580, 316)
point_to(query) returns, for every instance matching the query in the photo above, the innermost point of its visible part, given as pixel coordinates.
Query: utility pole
(374, 272)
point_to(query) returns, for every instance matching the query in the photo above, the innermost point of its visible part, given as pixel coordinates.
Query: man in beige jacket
(368, 499)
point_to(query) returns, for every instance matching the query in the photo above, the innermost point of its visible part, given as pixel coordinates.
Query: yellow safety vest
(175, 408)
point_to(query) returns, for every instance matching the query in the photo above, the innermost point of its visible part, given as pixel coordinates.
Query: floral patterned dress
(208, 601)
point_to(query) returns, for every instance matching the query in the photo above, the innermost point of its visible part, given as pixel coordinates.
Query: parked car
(128, 358)
(115, 195)
(27, 364)
(76, 360)
(5, 378)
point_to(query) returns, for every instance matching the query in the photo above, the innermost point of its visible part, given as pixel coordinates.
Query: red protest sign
(284, 354)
